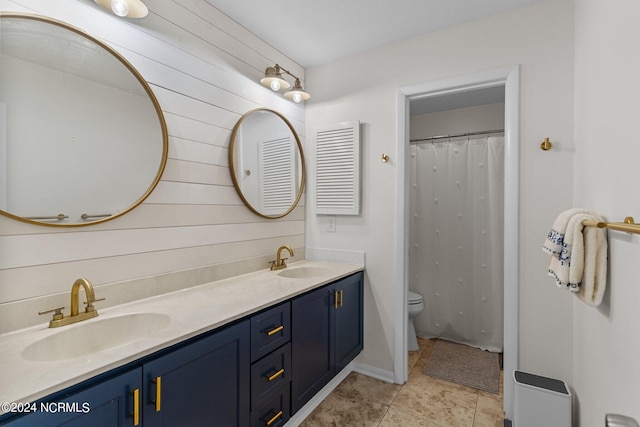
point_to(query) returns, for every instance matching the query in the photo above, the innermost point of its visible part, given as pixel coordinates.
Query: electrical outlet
(331, 224)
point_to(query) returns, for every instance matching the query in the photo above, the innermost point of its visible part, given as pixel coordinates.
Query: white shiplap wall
(204, 69)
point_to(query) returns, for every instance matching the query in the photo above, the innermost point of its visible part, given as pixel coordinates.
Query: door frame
(509, 77)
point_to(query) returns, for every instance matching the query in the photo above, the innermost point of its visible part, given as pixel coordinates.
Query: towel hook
(546, 144)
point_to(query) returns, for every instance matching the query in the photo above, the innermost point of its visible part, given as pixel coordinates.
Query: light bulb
(275, 85)
(120, 7)
(297, 97)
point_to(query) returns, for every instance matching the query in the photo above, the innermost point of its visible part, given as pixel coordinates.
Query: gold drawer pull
(274, 418)
(136, 407)
(276, 375)
(158, 401)
(275, 330)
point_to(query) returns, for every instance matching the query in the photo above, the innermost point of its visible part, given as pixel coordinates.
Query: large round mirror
(267, 163)
(82, 137)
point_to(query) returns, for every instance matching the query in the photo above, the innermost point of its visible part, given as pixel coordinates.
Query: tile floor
(423, 401)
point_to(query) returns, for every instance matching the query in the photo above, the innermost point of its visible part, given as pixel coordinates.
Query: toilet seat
(413, 298)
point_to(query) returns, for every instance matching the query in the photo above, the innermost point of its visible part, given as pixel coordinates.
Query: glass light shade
(125, 8)
(120, 7)
(273, 79)
(297, 94)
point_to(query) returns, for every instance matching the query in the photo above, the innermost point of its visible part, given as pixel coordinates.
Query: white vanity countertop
(192, 311)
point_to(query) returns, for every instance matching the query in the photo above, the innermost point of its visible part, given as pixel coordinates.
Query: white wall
(204, 70)
(540, 39)
(607, 86)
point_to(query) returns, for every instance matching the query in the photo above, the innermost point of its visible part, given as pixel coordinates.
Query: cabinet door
(105, 404)
(203, 384)
(349, 320)
(311, 345)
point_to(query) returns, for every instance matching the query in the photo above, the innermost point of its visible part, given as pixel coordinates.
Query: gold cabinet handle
(158, 401)
(335, 302)
(136, 407)
(274, 418)
(276, 375)
(275, 330)
(340, 298)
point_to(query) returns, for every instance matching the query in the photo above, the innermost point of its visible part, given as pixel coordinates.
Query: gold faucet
(75, 316)
(279, 263)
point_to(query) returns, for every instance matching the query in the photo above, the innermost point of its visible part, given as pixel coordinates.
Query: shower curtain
(456, 239)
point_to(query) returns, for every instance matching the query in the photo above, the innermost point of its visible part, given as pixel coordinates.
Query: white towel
(594, 280)
(554, 245)
(579, 255)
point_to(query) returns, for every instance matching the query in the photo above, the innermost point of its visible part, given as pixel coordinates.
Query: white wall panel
(53, 248)
(606, 340)
(188, 128)
(196, 151)
(185, 171)
(204, 69)
(193, 194)
(50, 278)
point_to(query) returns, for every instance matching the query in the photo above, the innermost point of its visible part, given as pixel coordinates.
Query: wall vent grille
(277, 176)
(338, 169)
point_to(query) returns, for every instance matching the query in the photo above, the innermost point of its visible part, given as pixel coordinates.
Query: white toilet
(415, 307)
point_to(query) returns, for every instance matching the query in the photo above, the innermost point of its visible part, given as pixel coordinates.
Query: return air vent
(338, 169)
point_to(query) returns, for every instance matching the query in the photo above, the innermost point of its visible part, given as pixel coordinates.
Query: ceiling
(313, 32)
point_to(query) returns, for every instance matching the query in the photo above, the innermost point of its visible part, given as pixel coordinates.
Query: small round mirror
(267, 163)
(82, 137)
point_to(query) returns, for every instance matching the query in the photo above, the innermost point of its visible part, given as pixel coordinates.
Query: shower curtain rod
(433, 138)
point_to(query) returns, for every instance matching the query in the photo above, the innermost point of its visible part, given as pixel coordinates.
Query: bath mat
(461, 364)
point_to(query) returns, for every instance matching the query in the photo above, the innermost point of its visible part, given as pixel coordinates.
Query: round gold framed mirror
(83, 137)
(266, 162)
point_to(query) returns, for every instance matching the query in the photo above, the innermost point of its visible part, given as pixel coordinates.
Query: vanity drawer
(274, 412)
(270, 374)
(269, 330)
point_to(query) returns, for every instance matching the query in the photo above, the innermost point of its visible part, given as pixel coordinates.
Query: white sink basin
(88, 338)
(303, 272)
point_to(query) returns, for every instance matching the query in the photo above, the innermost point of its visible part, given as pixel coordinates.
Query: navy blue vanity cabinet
(327, 333)
(203, 384)
(271, 366)
(111, 403)
(255, 372)
(349, 323)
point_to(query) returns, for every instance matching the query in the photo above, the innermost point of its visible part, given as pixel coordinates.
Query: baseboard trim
(373, 372)
(312, 404)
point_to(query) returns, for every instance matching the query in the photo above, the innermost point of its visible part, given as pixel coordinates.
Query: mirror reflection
(267, 163)
(82, 137)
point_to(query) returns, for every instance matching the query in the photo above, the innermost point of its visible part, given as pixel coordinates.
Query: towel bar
(628, 225)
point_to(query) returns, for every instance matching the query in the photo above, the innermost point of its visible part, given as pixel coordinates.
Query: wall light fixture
(274, 80)
(125, 8)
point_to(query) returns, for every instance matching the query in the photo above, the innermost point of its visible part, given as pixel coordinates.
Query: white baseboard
(373, 372)
(306, 410)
